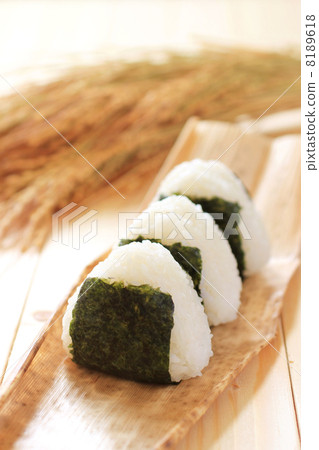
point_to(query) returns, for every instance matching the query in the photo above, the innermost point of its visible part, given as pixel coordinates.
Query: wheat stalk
(120, 115)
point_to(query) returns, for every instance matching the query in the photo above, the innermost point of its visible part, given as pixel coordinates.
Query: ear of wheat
(120, 116)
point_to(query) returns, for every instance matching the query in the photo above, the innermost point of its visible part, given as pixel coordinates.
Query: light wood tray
(52, 403)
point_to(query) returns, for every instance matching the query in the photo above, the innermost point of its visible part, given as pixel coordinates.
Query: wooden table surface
(259, 410)
(249, 414)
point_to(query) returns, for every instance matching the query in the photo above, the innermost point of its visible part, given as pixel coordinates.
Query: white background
(38, 39)
(309, 252)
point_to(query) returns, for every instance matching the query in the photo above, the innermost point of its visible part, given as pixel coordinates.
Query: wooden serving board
(51, 403)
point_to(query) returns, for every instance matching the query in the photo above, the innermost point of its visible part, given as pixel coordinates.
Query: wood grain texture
(256, 410)
(16, 279)
(291, 323)
(55, 404)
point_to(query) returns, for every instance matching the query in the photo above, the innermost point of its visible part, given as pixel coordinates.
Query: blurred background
(118, 80)
(41, 38)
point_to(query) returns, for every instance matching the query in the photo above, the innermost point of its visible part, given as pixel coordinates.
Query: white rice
(207, 179)
(150, 263)
(220, 283)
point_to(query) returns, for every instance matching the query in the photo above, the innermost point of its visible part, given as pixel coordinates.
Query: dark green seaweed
(218, 205)
(123, 330)
(189, 258)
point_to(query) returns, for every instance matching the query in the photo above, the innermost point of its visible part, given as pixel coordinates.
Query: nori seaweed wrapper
(189, 258)
(218, 205)
(123, 330)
